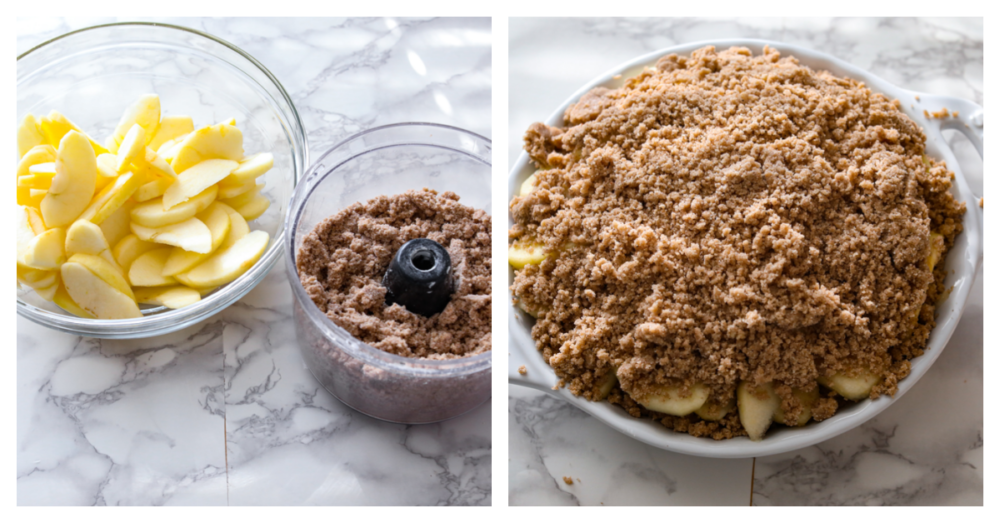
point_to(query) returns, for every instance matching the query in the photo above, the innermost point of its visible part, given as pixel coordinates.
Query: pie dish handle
(968, 122)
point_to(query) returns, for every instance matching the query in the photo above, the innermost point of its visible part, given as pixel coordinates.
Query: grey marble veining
(225, 412)
(926, 449)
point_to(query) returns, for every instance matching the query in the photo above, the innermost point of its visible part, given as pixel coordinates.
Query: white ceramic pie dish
(962, 262)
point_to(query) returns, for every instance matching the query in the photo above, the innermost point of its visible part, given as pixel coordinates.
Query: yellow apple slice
(521, 253)
(35, 181)
(84, 237)
(147, 269)
(64, 300)
(158, 165)
(46, 250)
(129, 248)
(29, 135)
(238, 227)
(757, 406)
(111, 145)
(48, 291)
(74, 182)
(105, 270)
(216, 218)
(607, 383)
(36, 277)
(144, 112)
(34, 198)
(529, 184)
(36, 155)
(55, 127)
(96, 296)
(116, 226)
(110, 199)
(251, 168)
(168, 150)
(227, 265)
(43, 169)
(242, 199)
(856, 386)
(190, 235)
(231, 191)
(669, 400)
(152, 213)
(171, 297)
(131, 149)
(221, 141)
(25, 233)
(937, 249)
(171, 127)
(254, 208)
(807, 398)
(714, 410)
(153, 189)
(107, 170)
(196, 179)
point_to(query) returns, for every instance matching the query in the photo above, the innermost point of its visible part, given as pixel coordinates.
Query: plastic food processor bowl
(962, 262)
(93, 74)
(386, 161)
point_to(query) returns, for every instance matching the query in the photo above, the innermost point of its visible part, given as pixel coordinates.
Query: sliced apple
(158, 165)
(36, 277)
(937, 249)
(107, 271)
(227, 265)
(153, 214)
(529, 184)
(714, 410)
(244, 198)
(757, 406)
(36, 155)
(153, 189)
(238, 227)
(521, 253)
(147, 269)
(111, 145)
(669, 400)
(254, 208)
(607, 383)
(144, 112)
(856, 386)
(171, 127)
(45, 251)
(29, 135)
(64, 300)
(231, 191)
(221, 141)
(110, 198)
(87, 238)
(131, 149)
(96, 296)
(171, 297)
(34, 198)
(806, 398)
(196, 179)
(170, 148)
(250, 168)
(55, 127)
(190, 235)
(116, 226)
(73, 185)
(129, 248)
(216, 218)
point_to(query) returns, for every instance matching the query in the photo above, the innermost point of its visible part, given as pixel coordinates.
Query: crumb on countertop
(568, 480)
(522, 370)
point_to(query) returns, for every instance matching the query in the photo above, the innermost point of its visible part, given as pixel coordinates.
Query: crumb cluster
(342, 261)
(730, 217)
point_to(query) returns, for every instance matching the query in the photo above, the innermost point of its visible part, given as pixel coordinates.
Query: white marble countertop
(926, 449)
(225, 412)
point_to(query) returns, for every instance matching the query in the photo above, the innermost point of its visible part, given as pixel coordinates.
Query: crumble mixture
(343, 259)
(731, 217)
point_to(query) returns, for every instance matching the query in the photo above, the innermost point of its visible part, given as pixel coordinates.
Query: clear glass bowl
(91, 76)
(385, 161)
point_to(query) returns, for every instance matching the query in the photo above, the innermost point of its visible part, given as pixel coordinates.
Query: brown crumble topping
(342, 261)
(730, 217)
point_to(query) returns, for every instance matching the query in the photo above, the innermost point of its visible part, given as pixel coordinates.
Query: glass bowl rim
(172, 320)
(360, 350)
